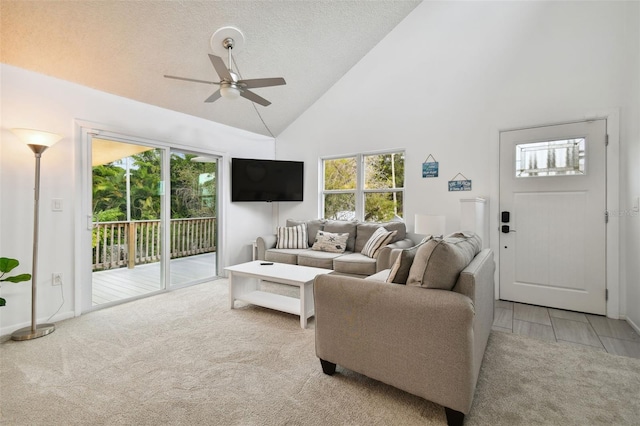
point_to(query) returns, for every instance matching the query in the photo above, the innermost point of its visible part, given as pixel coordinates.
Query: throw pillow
(438, 262)
(313, 226)
(400, 269)
(292, 237)
(365, 230)
(380, 238)
(341, 227)
(330, 242)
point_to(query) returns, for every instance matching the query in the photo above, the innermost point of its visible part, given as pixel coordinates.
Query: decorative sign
(430, 168)
(460, 185)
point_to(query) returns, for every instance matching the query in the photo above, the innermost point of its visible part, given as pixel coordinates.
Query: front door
(553, 216)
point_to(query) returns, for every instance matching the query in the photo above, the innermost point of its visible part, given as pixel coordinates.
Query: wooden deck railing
(118, 244)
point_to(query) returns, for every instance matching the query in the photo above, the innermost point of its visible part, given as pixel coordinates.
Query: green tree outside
(193, 188)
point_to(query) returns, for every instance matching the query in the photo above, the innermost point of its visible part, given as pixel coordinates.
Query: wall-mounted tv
(266, 180)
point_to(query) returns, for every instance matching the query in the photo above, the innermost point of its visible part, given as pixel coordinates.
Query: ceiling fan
(231, 87)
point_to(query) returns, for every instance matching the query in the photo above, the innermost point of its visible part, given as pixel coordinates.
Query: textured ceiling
(125, 48)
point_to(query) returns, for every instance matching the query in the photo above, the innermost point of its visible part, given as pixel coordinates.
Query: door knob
(505, 229)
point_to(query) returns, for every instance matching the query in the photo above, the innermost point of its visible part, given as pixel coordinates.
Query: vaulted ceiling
(125, 48)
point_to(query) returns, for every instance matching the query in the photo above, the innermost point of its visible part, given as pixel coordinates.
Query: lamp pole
(47, 139)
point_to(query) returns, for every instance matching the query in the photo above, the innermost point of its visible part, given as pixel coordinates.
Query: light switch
(56, 204)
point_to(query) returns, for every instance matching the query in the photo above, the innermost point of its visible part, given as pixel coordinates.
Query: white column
(474, 216)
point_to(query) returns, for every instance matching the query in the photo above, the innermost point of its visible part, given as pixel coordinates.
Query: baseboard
(633, 325)
(5, 332)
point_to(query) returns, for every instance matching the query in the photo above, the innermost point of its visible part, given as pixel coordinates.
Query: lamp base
(27, 333)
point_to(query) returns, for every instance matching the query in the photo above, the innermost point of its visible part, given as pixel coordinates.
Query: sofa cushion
(366, 229)
(317, 259)
(380, 238)
(400, 268)
(330, 242)
(289, 256)
(355, 263)
(292, 237)
(313, 226)
(341, 227)
(438, 262)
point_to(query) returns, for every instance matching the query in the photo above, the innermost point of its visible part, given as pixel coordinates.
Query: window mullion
(360, 187)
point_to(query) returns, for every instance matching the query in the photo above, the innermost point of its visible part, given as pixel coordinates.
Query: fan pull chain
(231, 58)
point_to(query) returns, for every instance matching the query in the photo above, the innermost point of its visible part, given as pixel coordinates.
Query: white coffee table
(244, 282)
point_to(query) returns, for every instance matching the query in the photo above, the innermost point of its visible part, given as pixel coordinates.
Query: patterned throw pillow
(330, 242)
(380, 238)
(400, 270)
(292, 237)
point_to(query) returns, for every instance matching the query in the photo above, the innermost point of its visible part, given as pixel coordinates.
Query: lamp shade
(229, 91)
(429, 225)
(37, 137)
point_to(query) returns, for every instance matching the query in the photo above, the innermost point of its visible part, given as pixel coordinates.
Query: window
(367, 187)
(550, 158)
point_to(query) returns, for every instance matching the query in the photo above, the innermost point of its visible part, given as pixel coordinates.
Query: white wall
(452, 75)
(36, 101)
(630, 169)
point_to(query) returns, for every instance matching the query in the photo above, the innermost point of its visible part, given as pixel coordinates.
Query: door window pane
(126, 196)
(551, 158)
(193, 225)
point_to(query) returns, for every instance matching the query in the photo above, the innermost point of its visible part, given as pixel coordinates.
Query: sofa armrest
(418, 340)
(386, 259)
(264, 243)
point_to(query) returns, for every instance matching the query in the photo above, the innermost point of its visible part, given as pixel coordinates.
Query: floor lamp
(38, 141)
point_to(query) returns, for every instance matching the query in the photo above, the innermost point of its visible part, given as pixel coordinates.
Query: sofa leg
(454, 418)
(328, 367)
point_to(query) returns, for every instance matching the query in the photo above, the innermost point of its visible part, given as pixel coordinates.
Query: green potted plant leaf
(6, 266)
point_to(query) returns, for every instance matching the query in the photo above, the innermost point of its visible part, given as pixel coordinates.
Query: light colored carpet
(185, 358)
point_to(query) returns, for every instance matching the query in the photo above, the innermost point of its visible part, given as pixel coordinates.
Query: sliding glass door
(152, 218)
(193, 227)
(127, 220)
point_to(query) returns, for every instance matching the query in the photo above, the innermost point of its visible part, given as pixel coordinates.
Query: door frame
(83, 190)
(612, 117)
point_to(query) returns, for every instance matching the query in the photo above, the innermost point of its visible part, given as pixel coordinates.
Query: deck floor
(123, 283)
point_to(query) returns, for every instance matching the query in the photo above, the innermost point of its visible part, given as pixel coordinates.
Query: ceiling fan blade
(220, 67)
(216, 95)
(254, 98)
(262, 82)
(191, 79)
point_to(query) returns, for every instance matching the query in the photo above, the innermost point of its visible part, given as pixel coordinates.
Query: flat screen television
(266, 180)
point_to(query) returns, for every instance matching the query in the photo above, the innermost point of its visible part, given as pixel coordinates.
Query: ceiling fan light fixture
(229, 91)
(232, 86)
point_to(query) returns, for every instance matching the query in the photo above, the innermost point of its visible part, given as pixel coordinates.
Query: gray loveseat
(351, 261)
(428, 341)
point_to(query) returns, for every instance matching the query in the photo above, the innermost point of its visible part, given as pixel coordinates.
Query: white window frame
(360, 192)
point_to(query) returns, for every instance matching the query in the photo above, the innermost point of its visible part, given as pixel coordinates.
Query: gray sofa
(352, 261)
(426, 341)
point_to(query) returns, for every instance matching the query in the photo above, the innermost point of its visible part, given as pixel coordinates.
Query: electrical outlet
(56, 278)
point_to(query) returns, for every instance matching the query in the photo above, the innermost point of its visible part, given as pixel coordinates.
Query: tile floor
(572, 328)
